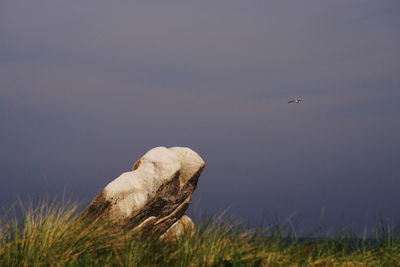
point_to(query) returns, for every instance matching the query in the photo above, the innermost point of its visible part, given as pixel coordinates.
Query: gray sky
(87, 87)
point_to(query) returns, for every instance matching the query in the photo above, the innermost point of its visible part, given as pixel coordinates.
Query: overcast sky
(87, 87)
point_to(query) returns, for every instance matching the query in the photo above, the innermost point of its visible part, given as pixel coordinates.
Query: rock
(183, 225)
(155, 194)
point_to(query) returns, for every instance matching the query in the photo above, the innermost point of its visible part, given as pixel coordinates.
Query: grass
(53, 234)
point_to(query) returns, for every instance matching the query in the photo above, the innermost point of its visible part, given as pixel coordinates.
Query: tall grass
(53, 234)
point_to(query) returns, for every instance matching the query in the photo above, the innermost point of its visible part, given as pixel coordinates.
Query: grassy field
(53, 235)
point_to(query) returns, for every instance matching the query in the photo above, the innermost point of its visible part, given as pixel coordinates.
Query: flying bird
(295, 101)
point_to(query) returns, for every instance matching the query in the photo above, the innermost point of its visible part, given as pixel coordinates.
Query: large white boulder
(155, 194)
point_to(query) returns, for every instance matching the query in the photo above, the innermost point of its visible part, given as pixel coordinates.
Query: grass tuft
(53, 234)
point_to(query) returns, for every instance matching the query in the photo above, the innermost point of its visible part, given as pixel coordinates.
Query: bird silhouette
(297, 101)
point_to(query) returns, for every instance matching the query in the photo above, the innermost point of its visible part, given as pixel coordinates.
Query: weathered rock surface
(183, 225)
(155, 194)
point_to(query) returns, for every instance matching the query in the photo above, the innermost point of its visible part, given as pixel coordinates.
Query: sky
(87, 87)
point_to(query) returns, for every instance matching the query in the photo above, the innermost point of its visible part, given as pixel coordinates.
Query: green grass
(53, 234)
